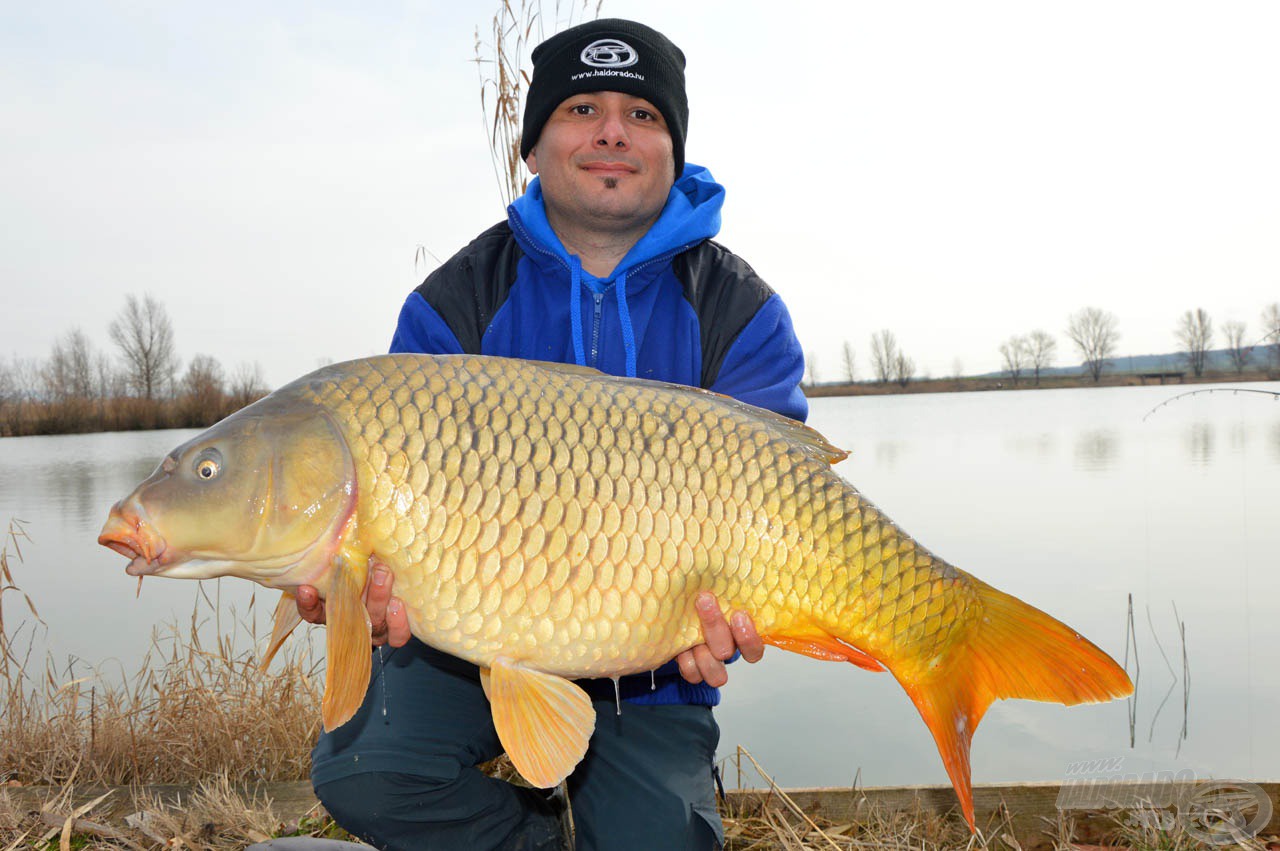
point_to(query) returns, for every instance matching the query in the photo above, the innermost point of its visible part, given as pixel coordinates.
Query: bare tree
(904, 369)
(203, 391)
(20, 384)
(850, 362)
(1094, 333)
(811, 367)
(143, 333)
(1237, 350)
(884, 355)
(1042, 349)
(247, 384)
(110, 383)
(1016, 354)
(69, 374)
(8, 384)
(1195, 334)
(11, 399)
(1271, 331)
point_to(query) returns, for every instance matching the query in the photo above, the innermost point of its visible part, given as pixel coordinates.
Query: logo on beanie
(609, 53)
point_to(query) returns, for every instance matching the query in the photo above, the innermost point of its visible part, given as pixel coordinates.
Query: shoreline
(986, 383)
(964, 384)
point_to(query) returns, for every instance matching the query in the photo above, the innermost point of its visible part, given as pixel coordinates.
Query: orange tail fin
(1013, 650)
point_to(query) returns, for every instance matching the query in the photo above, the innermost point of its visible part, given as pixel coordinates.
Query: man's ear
(532, 161)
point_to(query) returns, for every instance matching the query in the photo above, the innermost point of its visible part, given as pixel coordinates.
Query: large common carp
(549, 522)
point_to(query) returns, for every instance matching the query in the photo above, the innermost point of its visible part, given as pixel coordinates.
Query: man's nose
(612, 132)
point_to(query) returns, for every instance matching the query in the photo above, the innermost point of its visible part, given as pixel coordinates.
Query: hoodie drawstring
(624, 319)
(575, 309)
(575, 316)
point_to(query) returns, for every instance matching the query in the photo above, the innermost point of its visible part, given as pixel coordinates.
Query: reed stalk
(505, 72)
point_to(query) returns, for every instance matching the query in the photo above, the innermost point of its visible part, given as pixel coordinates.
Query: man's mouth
(609, 169)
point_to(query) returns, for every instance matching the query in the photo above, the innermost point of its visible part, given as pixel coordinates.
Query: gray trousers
(401, 774)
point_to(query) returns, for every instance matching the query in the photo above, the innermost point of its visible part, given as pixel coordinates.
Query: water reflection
(1238, 438)
(1040, 445)
(1096, 450)
(84, 490)
(887, 452)
(1199, 440)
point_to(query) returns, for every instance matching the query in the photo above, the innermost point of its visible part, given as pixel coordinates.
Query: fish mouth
(128, 533)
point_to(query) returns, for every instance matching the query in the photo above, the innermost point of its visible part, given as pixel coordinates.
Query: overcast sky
(955, 172)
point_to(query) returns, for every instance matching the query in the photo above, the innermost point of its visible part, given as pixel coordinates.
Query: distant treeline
(1094, 333)
(80, 389)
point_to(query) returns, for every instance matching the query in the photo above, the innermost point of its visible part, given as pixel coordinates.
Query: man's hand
(390, 624)
(705, 663)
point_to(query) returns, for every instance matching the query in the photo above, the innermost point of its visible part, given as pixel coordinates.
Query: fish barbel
(549, 522)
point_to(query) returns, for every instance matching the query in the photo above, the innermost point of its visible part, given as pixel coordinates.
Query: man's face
(604, 160)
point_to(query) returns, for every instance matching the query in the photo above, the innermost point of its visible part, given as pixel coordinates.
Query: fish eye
(208, 464)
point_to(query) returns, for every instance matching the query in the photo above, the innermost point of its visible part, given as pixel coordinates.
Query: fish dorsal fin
(568, 368)
(349, 660)
(543, 721)
(812, 441)
(809, 440)
(286, 619)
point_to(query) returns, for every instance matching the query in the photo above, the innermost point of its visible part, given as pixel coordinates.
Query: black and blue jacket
(678, 308)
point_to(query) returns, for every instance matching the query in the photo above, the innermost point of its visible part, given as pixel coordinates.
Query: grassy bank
(25, 416)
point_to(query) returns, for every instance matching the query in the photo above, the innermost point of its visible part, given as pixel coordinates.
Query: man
(605, 262)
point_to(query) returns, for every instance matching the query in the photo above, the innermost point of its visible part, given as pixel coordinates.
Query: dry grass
(189, 712)
(775, 821)
(217, 815)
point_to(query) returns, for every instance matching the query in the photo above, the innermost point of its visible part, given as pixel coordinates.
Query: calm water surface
(1066, 498)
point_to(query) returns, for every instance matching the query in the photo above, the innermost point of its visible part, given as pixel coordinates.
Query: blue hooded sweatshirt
(677, 308)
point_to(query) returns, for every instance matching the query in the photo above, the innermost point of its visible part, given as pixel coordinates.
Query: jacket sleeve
(765, 364)
(421, 330)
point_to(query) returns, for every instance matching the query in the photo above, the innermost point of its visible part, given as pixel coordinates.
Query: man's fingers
(745, 636)
(310, 606)
(689, 667)
(715, 629)
(376, 597)
(711, 668)
(397, 623)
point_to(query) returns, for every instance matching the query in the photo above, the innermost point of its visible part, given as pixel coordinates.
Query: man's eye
(643, 114)
(581, 109)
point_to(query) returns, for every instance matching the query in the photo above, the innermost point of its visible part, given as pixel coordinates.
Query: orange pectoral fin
(820, 645)
(543, 721)
(347, 647)
(286, 619)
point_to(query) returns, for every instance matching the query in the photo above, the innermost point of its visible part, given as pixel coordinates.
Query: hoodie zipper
(597, 297)
(595, 328)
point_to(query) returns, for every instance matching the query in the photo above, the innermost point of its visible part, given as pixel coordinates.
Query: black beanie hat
(608, 55)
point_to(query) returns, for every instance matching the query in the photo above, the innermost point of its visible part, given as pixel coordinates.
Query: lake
(1068, 499)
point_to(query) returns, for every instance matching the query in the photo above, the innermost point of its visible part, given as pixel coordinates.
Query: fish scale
(549, 522)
